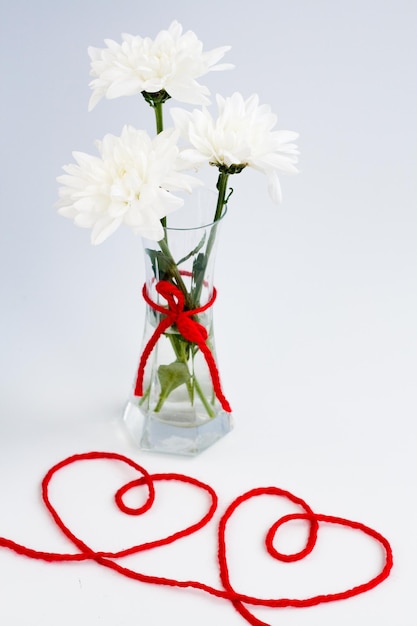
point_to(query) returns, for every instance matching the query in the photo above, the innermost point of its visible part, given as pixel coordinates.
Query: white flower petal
(241, 135)
(173, 62)
(274, 187)
(103, 229)
(132, 182)
(84, 220)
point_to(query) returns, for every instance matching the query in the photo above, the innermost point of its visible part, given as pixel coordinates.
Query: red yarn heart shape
(313, 519)
(145, 479)
(239, 600)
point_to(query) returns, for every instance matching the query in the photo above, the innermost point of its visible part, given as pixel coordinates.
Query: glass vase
(177, 404)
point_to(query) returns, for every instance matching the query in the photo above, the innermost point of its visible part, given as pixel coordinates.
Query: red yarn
(189, 328)
(238, 600)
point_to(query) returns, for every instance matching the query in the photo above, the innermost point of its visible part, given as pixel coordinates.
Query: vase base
(154, 435)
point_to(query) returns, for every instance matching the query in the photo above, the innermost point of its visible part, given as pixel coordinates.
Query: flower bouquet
(177, 403)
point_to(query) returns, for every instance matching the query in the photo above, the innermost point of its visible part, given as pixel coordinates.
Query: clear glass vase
(177, 404)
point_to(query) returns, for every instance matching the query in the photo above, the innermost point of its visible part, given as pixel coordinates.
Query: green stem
(159, 118)
(156, 100)
(221, 200)
(206, 404)
(175, 273)
(181, 352)
(160, 403)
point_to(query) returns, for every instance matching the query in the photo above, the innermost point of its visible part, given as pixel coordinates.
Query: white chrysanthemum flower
(131, 183)
(242, 135)
(171, 62)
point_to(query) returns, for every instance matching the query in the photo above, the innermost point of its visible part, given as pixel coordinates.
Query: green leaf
(193, 252)
(172, 376)
(199, 268)
(161, 264)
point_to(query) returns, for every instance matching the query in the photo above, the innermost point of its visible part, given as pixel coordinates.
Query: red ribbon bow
(189, 328)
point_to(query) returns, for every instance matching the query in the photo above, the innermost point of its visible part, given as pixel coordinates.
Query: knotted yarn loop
(187, 326)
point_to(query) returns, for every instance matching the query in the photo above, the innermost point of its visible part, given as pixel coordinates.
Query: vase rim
(199, 226)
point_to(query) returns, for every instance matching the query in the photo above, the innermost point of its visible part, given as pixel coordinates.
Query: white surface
(315, 320)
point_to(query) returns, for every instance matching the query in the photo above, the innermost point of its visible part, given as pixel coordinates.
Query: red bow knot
(188, 327)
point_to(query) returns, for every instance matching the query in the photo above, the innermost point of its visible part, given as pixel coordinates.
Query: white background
(315, 319)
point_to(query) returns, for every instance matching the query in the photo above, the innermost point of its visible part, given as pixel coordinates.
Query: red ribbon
(188, 327)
